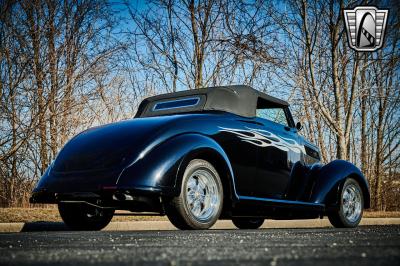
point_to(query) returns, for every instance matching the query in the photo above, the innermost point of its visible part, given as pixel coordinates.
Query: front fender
(159, 168)
(330, 177)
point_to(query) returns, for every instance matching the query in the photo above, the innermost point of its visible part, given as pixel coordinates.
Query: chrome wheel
(202, 195)
(200, 202)
(352, 203)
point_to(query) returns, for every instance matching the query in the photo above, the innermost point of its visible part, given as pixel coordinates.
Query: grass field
(11, 215)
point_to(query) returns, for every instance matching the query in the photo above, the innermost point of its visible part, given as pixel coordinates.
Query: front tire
(351, 206)
(247, 222)
(82, 217)
(200, 202)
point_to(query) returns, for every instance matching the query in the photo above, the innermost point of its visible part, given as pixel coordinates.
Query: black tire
(83, 217)
(247, 222)
(341, 218)
(178, 209)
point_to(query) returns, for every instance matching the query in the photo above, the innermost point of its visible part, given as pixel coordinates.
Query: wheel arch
(221, 164)
(163, 167)
(365, 190)
(330, 179)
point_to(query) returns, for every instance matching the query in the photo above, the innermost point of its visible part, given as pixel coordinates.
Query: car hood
(110, 146)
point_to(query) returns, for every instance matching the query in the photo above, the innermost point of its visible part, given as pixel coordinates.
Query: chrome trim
(202, 195)
(311, 204)
(351, 203)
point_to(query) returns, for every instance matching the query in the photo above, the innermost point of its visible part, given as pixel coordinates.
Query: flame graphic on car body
(264, 138)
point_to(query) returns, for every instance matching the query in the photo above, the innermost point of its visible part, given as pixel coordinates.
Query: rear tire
(247, 222)
(83, 217)
(351, 205)
(200, 202)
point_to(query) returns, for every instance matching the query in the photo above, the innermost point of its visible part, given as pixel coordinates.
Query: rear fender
(160, 169)
(331, 177)
(221, 163)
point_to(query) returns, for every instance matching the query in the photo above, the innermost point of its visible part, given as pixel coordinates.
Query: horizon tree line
(69, 65)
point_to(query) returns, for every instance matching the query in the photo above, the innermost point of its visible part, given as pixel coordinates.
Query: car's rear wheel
(351, 206)
(200, 202)
(247, 222)
(83, 217)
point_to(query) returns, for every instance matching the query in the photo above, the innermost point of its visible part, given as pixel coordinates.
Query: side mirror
(299, 126)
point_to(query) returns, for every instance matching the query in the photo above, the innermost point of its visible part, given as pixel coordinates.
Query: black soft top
(237, 99)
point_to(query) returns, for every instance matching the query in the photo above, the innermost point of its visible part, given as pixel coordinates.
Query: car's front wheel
(200, 202)
(247, 222)
(351, 203)
(82, 217)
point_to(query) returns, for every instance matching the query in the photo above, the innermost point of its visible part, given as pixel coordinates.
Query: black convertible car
(201, 155)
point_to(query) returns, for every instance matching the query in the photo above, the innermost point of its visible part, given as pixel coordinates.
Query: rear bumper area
(136, 200)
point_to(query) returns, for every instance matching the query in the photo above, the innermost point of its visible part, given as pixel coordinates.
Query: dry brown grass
(381, 214)
(12, 215)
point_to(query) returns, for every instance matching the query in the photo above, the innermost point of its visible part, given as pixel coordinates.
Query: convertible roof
(238, 99)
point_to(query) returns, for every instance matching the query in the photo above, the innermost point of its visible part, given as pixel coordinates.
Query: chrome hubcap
(202, 197)
(351, 201)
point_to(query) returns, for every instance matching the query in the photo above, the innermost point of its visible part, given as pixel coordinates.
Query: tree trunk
(364, 140)
(334, 37)
(378, 161)
(53, 81)
(34, 20)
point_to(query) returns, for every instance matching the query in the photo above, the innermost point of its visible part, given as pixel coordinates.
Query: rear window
(177, 103)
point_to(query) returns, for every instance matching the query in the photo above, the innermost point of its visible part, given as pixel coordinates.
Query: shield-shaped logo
(365, 27)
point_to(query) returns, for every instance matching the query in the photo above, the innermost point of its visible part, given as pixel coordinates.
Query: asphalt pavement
(364, 245)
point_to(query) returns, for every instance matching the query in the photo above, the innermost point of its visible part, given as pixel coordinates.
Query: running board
(275, 207)
(138, 214)
(284, 203)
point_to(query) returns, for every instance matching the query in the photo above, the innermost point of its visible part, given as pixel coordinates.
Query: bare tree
(50, 53)
(332, 81)
(69, 65)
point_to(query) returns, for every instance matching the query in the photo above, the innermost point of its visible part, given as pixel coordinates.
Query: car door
(281, 151)
(236, 139)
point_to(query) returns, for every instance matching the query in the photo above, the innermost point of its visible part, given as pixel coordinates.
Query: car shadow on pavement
(44, 226)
